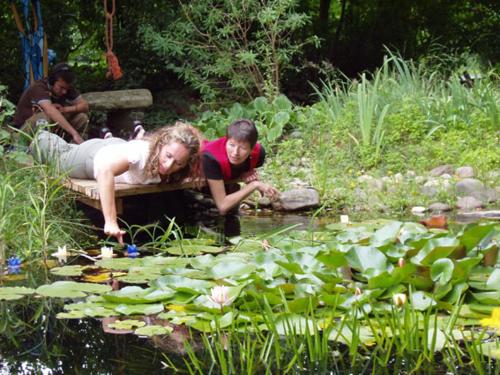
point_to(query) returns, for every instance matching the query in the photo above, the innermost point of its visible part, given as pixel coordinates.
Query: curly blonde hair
(183, 133)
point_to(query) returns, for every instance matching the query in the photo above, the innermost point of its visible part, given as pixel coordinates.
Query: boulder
(297, 199)
(491, 195)
(469, 203)
(119, 99)
(472, 187)
(464, 172)
(439, 207)
(442, 169)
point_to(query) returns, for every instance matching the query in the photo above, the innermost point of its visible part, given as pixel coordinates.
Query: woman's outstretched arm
(225, 202)
(106, 184)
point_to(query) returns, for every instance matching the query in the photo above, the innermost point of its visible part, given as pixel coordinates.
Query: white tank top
(136, 152)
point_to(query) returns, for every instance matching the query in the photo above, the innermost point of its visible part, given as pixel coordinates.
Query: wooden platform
(88, 192)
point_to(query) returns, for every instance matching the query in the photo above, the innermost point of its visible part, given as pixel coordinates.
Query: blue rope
(32, 43)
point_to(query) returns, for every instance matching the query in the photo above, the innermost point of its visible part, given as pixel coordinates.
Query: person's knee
(80, 121)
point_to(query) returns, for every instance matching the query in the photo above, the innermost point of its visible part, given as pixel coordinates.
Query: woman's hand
(250, 176)
(112, 229)
(267, 190)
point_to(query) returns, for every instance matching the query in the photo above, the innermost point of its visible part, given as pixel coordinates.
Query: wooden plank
(89, 188)
(97, 203)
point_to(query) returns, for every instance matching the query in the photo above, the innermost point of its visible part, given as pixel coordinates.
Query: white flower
(401, 262)
(62, 251)
(220, 295)
(106, 252)
(399, 299)
(357, 291)
(344, 219)
(61, 254)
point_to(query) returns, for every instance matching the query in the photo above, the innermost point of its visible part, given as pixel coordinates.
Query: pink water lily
(220, 295)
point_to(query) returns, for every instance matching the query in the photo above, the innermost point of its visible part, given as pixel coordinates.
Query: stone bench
(119, 106)
(87, 191)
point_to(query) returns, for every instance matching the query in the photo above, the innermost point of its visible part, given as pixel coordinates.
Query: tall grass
(37, 214)
(443, 99)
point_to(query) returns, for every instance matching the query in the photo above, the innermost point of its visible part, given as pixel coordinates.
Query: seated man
(232, 157)
(54, 100)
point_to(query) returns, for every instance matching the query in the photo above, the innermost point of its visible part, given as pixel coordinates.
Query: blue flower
(132, 251)
(14, 262)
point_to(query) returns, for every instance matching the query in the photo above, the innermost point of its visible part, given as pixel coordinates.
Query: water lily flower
(344, 219)
(220, 295)
(494, 321)
(401, 262)
(61, 254)
(399, 299)
(106, 252)
(132, 251)
(358, 291)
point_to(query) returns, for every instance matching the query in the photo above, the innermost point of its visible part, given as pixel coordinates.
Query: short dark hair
(243, 130)
(61, 71)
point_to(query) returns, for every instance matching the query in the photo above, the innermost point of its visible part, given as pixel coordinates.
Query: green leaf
(333, 259)
(147, 309)
(260, 104)
(119, 264)
(435, 249)
(136, 295)
(494, 280)
(282, 103)
(223, 322)
(153, 330)
(68, 270)
(386, 279)
(194, 250)
(421, 301)
(231, 268)
(362, 258)
(9, 293)
(442, 270)
(290, 324)
(127, 324)
(183, 284)
(280, 119)
(387, 234)
(71, 289)
(488, 298)
(475, 234)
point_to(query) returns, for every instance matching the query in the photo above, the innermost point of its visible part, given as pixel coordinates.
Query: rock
(464, 172)
(432, 187)
(119, 99)
(398, 177)
(472, 187)
(418, 210)
(420, 179)
(410, 174)
(438, 171)
(469, 203)
(297, 199)
(446, 176)
(263, 202)
(493, 214)
(371, 183)
(491, 195)
(439, 207)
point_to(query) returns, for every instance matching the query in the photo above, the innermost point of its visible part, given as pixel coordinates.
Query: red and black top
(216, 165)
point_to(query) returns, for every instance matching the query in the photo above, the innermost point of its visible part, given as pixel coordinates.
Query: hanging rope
(114, 70)
(33, 41)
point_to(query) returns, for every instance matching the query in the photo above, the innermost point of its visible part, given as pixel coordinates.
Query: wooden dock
(87, 191)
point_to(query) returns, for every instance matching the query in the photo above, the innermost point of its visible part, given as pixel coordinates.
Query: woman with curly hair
(170, 154)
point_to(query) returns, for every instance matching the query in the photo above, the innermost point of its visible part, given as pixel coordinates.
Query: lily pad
(68, 270)
(138, 295)
(421, 301)
(139, 309)
(153, 330)
(9, 293)
(442, 270)
(127, 324)
(194, 250)
(71, 289)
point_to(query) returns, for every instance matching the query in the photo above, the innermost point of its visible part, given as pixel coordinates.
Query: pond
(290, 295)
